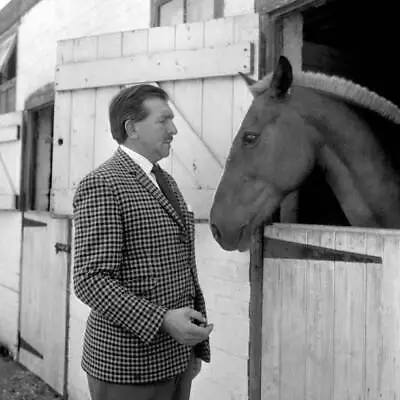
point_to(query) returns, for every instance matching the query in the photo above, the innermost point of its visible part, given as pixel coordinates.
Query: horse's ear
(282, 78)
(250, 82)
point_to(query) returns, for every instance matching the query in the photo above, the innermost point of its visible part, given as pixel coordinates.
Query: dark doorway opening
(356, 40)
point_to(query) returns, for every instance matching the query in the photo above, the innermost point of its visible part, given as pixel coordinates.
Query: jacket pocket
(143, 286)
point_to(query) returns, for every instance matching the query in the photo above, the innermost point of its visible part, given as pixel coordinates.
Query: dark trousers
(177, 388)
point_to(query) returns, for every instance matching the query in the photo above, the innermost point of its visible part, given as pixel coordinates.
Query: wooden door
(331, 313)
(197, 64)
(10, 160)
(44, 297)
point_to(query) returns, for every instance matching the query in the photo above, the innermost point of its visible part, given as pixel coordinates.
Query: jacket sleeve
(98, 244)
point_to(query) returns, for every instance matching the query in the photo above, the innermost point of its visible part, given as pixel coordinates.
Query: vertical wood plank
(61, 136)
(349, 337)
(320, 321)
(293, 324)
(377, 342)
(254, 369)
(163, 39)
(383, 313)
(56, 302)
(83, 114)
(135, 42)
(187, 97)
(246, 28)
(104, 144)
(271, 331)
(109, 45)
(217, 114)
(190, 37)
(85, 48)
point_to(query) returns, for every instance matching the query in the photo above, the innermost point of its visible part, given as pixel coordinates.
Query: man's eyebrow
(168, 114)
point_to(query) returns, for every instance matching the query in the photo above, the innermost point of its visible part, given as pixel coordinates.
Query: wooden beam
(13, 11)
(167, 66)
(195, 155)
(256, 271)
(9, 133)
(281, 7)
(12, 118)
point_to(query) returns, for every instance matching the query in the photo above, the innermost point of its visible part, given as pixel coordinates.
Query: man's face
(154, 134)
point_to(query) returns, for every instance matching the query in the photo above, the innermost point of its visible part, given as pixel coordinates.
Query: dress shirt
(143, 163)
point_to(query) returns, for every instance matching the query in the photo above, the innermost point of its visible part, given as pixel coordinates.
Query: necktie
(166, 188)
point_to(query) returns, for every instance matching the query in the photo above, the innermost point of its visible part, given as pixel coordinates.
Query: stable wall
(223, 275)
(53, 20)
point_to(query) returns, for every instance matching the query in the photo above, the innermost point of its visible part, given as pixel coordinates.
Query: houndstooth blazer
(133, 260)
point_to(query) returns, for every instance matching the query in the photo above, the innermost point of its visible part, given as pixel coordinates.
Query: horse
(298, 120)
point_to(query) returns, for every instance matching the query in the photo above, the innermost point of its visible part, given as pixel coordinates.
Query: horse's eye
(250, 137)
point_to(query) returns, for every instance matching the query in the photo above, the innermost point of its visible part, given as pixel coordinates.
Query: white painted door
(10, 160)
(331, 313)
(44, 297)
(197, 64)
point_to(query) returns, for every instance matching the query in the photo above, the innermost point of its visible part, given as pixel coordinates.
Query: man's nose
(172, 129)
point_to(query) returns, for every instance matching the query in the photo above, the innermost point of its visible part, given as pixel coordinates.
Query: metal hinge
(66, 248)
(28, 222)
(23, 344)
(277, 248)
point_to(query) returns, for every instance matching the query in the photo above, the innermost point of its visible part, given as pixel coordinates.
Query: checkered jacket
(133, 260)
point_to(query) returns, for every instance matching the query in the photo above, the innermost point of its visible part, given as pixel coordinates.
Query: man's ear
(130, 129)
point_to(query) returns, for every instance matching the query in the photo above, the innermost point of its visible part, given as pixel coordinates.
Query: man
(134, 262)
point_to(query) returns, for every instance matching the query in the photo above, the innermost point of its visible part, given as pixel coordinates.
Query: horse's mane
(340, 87)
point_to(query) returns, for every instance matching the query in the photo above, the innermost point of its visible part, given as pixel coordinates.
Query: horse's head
(271, 155)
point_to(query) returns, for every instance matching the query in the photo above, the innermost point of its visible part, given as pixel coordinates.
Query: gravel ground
(17, 383)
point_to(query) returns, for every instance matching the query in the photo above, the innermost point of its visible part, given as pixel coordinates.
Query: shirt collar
(142, 161)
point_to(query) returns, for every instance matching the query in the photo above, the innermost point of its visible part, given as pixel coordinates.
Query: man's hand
(186, 326)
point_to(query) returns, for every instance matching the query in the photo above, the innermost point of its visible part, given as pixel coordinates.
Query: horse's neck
(363, 176)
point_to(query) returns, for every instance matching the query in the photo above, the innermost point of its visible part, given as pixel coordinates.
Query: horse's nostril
(215, 232)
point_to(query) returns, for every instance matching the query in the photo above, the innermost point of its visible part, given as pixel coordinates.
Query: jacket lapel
(130, 166)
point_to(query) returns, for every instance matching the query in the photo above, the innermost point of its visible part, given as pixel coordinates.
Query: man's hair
(128, 105)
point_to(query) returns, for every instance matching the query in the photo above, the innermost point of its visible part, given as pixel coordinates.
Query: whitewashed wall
(225, 280)
(53, 20)
(10, 253)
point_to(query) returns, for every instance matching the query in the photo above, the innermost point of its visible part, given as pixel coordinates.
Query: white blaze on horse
(295, 122)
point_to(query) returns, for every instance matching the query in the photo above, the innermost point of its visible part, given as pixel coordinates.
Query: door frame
(280, 24)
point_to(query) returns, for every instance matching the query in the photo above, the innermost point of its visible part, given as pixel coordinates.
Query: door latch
(66, 248)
